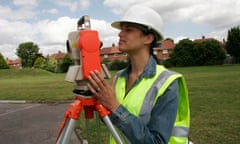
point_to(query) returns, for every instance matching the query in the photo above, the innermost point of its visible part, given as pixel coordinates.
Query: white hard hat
(145, 16)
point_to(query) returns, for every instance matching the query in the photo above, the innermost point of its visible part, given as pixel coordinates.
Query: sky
(48, 22)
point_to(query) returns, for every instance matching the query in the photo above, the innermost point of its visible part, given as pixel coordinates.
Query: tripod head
(84, 23)
(84, 45)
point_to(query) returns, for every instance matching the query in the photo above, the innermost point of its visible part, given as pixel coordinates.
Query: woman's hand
(103, 91)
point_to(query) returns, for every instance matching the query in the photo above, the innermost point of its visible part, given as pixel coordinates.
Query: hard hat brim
(117, 25)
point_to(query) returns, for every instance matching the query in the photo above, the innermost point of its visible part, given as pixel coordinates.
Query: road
(30, 123)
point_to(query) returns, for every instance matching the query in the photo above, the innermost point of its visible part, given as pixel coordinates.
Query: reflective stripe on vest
(148, 104)
(179, 131)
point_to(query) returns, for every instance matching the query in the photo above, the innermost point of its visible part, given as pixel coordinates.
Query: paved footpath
(30, 123)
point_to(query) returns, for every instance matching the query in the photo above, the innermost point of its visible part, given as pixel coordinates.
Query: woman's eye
(128, 30)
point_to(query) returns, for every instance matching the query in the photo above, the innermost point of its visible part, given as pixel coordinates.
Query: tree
(233, 43)
(52, 64)
(66, 62)
(188, 53)
(182, 53)
(213, 53)
(3, 64)
(28, 52)
(40, 62)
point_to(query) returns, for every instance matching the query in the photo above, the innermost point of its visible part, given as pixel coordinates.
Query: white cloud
(119, 7)
(8, 50)
(50, 11)
(16, 14)
(84, 4)
(74, 5)
(15, 31)
(219, 35)
(54, 31)
(25, 2)
(48, 35)
(213, 12)
(107, 34)
(71, 5)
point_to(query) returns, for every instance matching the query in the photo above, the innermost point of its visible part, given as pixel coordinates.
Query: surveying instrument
(84, 46)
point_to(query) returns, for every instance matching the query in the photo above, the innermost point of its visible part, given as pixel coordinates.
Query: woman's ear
(149, 38)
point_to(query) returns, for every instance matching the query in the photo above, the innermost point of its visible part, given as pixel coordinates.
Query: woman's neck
(138, 63)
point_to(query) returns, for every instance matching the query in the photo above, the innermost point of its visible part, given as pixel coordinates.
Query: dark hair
(153, 44)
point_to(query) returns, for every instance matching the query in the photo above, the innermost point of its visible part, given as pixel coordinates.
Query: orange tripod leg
(72, 113)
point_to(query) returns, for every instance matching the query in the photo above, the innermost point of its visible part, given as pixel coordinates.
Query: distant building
(163, 52)
(203, 39)
(112, 53)
(58, 56)
(14, 63)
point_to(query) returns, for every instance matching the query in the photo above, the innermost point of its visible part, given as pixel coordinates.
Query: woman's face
(130, 38)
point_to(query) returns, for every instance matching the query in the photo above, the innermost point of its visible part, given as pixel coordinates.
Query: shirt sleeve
(159, 128)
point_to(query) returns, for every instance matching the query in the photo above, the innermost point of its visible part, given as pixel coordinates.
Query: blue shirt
(158, 129)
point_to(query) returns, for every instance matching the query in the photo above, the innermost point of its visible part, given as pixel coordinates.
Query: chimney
(113, 45)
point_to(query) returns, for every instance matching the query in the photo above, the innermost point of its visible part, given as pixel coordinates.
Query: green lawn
(213, 93)
(34, 85)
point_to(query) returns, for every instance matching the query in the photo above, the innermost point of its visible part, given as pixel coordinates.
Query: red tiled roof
(13, 62)
(166, 44)
(58, 55)
(203, 39)
(109, 50)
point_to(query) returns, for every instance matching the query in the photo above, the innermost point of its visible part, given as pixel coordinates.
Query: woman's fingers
(97, 83)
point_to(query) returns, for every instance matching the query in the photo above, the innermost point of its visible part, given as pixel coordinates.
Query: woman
(148, 103)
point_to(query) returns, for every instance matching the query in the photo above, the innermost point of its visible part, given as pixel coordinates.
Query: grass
(33, 85)
(213, 94)
(214, 102)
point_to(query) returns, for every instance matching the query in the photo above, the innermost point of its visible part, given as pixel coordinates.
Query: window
(155, 52)
(165, 51)
(105, 56)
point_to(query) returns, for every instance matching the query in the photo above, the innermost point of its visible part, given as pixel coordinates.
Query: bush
(66, 62)
(40, 62)
(188, 53)
(3, 64)
(118, 65)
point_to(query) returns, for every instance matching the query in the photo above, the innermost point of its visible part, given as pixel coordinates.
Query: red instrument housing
(89, 45)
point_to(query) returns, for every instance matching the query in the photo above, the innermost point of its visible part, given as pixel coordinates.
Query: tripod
(84, 46)
(89, 104)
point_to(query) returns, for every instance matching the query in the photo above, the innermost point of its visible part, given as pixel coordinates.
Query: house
(112, 53)
(58, 56)
(163, 52)
(14, 63)
(203, 39)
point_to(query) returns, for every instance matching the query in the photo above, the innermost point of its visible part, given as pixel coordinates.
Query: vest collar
(149, 70)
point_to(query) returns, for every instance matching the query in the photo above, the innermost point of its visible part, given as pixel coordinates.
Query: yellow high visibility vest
(147, 97)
